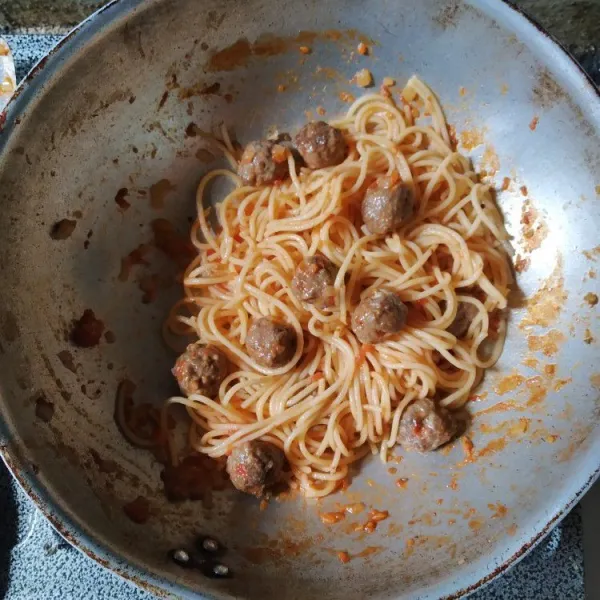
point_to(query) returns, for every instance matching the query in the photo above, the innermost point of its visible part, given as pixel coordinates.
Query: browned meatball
(263, 163)
(255, 466)
(425, 426)
(201, 369)
(465, 314)
(379, 314)
(321, 145)
(314, 279)
(387, 205)
(271, 343)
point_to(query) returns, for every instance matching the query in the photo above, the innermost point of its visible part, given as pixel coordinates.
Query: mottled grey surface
(575, 23)
(35, 562)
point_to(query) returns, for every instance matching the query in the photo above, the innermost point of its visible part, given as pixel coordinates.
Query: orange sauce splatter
(475, 524)
(534, 123)
(467, 446)
(531, 362)
(547, 343)
(560, 384)
(545, 306)
(493, 447)
(537, 390)
(509, 383)
(343, 557)
(354, 509)
(499, 510)
(378, 515)
(471, 139)
(331, 518)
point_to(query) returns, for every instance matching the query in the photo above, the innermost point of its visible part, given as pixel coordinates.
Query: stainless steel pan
(110, 109)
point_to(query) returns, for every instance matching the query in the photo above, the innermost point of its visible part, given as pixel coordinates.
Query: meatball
(263, 163)
(425, 426)
(379, 314)
(201, 370)
(314, 279)
(255, 466)
(465, 314)
(271, 343)
(387, 205)
(321, 145)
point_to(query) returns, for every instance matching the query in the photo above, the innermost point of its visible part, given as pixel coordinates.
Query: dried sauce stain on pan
(66, 358)
(44, 409)
(450, 15)
(546, 91)
(120, 199)
(547, 343)
(87, 330)
(534, 229)
(545, 306)
(159, 192)
(63, 229)
(240, 53)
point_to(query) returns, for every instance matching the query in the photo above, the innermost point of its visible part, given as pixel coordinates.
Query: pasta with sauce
(350, 299)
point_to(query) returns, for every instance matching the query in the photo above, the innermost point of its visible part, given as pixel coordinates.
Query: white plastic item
(8, 81)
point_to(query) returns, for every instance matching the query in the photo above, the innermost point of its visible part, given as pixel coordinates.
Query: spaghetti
(336, 400)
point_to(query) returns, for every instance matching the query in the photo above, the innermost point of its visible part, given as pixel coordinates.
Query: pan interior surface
(108, 137)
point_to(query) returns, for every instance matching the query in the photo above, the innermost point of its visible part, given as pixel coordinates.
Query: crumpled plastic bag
(8, 80)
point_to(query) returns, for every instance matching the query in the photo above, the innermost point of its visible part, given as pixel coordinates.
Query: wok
(106, 116)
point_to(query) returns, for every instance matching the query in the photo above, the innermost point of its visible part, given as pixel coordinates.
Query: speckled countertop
(37, 564)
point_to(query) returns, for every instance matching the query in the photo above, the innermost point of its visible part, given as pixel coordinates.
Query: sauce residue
(499, 511)
(87, 330)
(240, 53)
(158, 193)
(592, 254)
(493, 447)
(534, 123)
(63, 229)
(470, 139)
(138, 510)
(509, 383)
(178, 248)
(547, 343)
(591, 298)
(545, 306)
(330, 518)
(135, 257)
(120, 199)
(534, 229)
(44, 410)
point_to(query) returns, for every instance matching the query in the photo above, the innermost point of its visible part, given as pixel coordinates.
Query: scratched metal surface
(60, 160)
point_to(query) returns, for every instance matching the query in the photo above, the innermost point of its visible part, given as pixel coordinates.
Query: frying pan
(107, 116)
